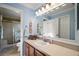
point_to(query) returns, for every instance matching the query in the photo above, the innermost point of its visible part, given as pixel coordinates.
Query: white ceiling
(9, 13)
(33, 6)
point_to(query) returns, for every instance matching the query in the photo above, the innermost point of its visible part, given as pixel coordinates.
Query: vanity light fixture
(49, 7)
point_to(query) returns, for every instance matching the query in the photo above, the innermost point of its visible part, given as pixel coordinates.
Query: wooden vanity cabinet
(26, 49)
(37, 53)
(31, 51)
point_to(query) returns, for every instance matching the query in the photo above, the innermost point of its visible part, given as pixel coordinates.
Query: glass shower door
(0, 29)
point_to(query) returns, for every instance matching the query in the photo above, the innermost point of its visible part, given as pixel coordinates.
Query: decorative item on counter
(33, 37)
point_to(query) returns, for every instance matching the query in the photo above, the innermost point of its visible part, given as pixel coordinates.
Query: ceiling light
(49, 7)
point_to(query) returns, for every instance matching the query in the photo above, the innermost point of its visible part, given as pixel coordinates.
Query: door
(0, 29)
(8, 32)
(64, 27)
(16, 31)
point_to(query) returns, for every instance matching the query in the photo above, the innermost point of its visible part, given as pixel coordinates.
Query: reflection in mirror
(60, 23)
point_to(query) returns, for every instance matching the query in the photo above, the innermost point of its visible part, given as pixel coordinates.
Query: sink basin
(41, 43)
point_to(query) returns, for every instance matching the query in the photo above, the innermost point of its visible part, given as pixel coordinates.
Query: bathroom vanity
(41, 48)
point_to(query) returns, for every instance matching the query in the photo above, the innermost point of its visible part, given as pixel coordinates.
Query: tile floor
(10, 51)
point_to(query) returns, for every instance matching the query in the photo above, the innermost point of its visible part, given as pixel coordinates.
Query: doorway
(10, 22)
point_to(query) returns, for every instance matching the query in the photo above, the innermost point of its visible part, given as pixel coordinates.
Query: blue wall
(72, 21)
(27, 14)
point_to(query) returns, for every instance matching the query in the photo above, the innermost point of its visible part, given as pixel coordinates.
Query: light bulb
(47, 6)
(39, 10)
(43, 9)
(36, 13)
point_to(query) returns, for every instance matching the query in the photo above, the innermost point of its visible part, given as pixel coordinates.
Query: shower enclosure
(7, 36)
(1, 31)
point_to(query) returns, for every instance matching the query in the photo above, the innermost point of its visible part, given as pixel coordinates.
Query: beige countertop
(52, 49)
(73, 42)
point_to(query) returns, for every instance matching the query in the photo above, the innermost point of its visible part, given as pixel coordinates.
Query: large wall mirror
(61, 23)
(57, 27)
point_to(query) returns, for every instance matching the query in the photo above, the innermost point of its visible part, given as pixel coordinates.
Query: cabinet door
(31, 51)
(37, 53)
(26, 49)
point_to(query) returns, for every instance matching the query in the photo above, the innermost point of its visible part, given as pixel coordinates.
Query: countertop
(53, 49)
(68, 41)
